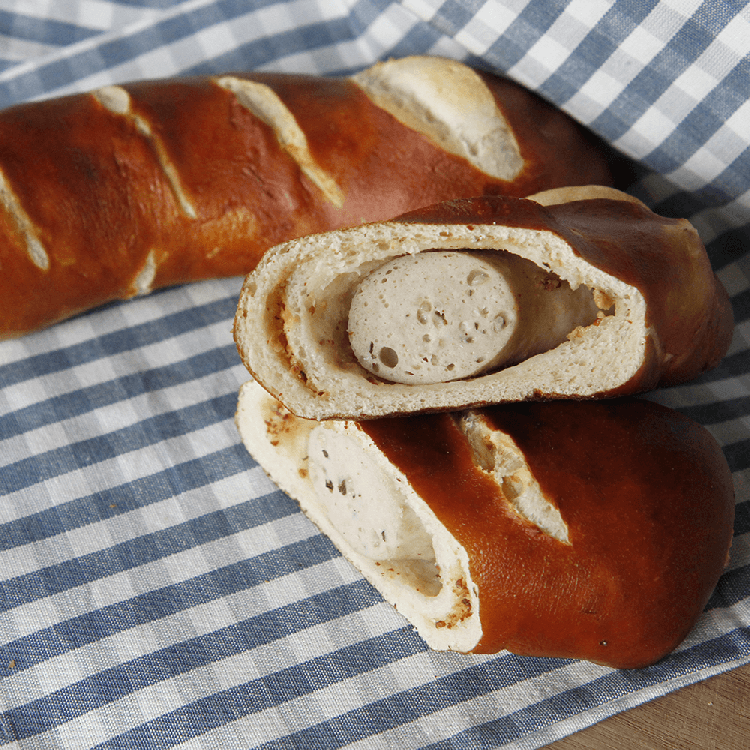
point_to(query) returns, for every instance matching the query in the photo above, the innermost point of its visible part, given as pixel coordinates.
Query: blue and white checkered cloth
(156, 589)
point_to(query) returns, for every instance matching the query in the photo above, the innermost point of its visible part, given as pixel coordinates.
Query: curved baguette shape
(663, 317)
(130, 188)
(576, 529)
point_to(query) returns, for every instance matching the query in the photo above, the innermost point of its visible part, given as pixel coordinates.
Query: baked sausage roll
(577, 292)
(583, 529)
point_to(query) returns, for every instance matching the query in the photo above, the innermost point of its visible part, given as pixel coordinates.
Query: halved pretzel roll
(573, 293)
(581, 529)
(129, 188)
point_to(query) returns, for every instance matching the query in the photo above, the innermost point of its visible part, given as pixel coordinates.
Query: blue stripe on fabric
(254, 54)
(84, 400)
(738, 455)
(732, 366)
(118, 342)
(545, 713)
(681, 205)
(150, 4)
(687, 44)
(595, 49)
(419, 40)
(411, 705)
(530, 25)
(155, 605)
(718, 411)
(364, 13)
(140, 493)
(267, 692)
(733, 588)
(92, 626)
(729, 247)
(114, 52)
(733, 180)
(53, 463)
(45, 31)
(452, 15)
(117, 682)
(706, 119)
(141, 550)
(742, 519)
(741, 306)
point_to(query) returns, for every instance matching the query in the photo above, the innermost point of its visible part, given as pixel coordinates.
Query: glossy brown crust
(91, 183)
(688, 309)
(665, 259)
(649, 503)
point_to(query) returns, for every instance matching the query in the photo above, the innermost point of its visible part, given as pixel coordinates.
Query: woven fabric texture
(156, 589)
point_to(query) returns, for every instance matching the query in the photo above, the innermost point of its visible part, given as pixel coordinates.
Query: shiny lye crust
(573, 529)
(648, 500)
(663, 317)
(108, 195)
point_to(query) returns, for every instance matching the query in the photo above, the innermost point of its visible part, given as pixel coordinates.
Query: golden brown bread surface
(648, 500)
(663, 316)
(111, 194)
(643, 494)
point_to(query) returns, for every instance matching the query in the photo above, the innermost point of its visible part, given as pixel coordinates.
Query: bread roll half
(573, 293)
(591, 530)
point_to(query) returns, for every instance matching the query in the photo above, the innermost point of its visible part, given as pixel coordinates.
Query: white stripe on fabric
(152, 702)
(723, 148)
(734, 279)
(93, 14)
(73, 481)
(13, 50)
(171, 571)
(139, 532)
(68, 668)
(112, 419)
(490, 22)
(151, 518)
(556, 46)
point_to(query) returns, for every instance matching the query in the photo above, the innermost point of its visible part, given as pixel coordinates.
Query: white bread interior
(291, 324)
(369, 510)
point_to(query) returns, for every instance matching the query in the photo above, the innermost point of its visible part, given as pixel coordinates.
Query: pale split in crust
(450, 104)
(117, 100)
(134, 187)
(35, 250)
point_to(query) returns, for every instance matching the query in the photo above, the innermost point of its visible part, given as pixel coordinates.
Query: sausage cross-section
(578, 292)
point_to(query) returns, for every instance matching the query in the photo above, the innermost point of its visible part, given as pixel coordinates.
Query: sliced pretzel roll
(589, 294)
(111, 194)
(590, 530)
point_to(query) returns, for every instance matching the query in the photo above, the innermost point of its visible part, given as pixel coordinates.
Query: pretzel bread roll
(577, 529)
(577, 292)
(108, 195)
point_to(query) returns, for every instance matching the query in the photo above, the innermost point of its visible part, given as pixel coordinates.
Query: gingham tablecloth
(157, 590)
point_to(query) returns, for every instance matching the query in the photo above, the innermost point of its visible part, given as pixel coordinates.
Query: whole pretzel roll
(108, 195)
(594, 530)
